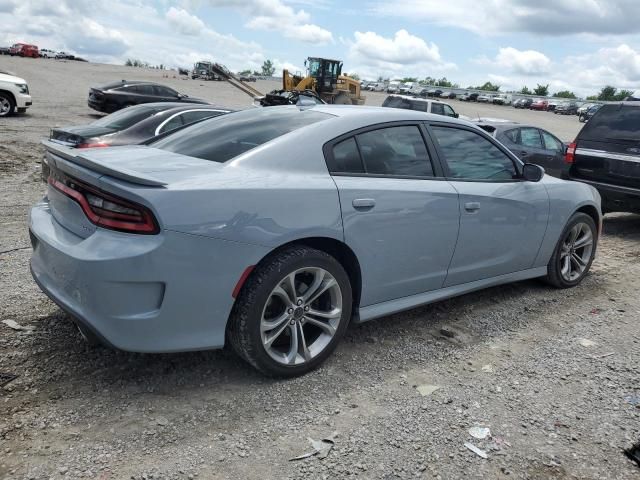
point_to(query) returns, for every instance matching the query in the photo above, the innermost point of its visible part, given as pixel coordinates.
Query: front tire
(574, 252)
(7, 105)
(292, 312)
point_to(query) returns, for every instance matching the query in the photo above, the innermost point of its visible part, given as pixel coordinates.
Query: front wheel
(292, 312)
(582, 118)
(574, 252)
(7, 105)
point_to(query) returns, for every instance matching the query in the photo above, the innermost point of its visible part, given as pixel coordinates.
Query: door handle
(472, 206)
(363, 203)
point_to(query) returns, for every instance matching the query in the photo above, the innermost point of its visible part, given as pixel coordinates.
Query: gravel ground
(554, 374)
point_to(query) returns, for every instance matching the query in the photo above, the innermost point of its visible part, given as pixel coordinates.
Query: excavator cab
(325, 72)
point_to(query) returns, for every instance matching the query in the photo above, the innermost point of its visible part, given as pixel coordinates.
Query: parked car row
(28, 50)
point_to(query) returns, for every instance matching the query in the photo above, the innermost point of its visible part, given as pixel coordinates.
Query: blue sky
(579, 45)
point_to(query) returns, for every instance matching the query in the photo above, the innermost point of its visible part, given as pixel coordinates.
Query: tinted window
(190, 117)
(437, 108)
(530, 137)
(512, 135)
(420, 106)
(346, 158)
(223, 138)
(551, 142)
(471, 156)
(396, 102)
(163, 91)
(614, 123)
(395, 151)
(128, 117)
(140, 89)
(172, 124)
(448, 111)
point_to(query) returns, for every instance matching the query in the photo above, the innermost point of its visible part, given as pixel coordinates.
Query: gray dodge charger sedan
(272, 229)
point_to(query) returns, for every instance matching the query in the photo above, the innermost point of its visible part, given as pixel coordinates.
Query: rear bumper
(144, 293)
(99, 106)
(615, 198)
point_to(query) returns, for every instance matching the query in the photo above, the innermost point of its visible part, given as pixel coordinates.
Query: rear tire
(574, 252)
(284, 330)
(7, 105)
(582, 118)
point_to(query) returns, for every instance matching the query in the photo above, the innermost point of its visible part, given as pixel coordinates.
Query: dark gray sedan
(531, 144)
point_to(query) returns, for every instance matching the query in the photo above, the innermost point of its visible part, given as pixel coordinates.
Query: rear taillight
(570, 155)
(104, 209)
(92, 145)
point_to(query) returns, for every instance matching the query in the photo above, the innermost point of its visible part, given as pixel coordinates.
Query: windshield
(221, 139)
(129, 116)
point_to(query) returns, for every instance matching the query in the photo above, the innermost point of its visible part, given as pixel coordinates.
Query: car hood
(11, 78)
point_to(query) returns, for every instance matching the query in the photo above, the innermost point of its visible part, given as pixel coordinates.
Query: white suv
(420, 104)
(14, 94)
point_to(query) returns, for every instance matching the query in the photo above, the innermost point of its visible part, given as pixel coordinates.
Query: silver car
(273, 229)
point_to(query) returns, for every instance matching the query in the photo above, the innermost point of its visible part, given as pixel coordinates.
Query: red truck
(24, 50)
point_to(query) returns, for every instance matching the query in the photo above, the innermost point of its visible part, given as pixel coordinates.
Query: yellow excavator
(324, 83)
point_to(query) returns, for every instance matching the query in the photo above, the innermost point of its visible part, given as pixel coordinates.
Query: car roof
(373, 115)
(409, 97)
(123, 83)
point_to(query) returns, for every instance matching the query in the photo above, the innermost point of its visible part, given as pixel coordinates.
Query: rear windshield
(129, 116)
(225, 137)
(614, 123)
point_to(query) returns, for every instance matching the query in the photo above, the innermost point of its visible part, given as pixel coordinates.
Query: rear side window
(530, 137)
(470, 156)
(222, 138)
(437, 108)
(393, 151)
(420, 106)
(512, 135)
(175, 122)
(396, 102)
(346, 157)
(128, 117)
(613, 123)
(190, 117)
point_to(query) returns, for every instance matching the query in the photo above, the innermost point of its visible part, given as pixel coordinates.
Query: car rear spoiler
(71, 155)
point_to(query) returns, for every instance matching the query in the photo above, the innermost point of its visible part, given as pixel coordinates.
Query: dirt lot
(554, 374)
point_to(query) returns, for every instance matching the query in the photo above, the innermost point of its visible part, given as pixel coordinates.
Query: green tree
(542, 90)
(592, 97)
(354, 75)
(525, 90)
(409, 79)
(246, 72)
(267, 68)
(128, 63)
(564, 94)
(488, 87)
(608, 93)
(622, 94)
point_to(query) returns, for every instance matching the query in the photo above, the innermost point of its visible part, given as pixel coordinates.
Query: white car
(14, 94)
(46, 53)
(62, 55)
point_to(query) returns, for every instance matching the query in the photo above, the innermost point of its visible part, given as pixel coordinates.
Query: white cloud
(274, 15)
(183, 22)
(618, 66)
(403, 54)
(549, 17)
(523, 62)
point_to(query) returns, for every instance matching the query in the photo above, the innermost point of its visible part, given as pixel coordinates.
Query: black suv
(117, 95)
(606, 154)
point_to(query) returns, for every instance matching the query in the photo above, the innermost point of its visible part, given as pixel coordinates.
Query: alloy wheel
(576, 251)
(5, 107)
(301, 316)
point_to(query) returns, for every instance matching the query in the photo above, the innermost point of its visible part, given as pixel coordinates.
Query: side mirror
(456, 115)
(532, 172)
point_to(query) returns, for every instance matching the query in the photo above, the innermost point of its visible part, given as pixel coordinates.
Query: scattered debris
(476, 450)
(426, 390)
(633, 400)
(585, 342)
(6, 378)
(16, 326)
(480, 432)
(447, 332)
(604, 355)
(634, 453)
(487, 368)
(321, 448)
(162, 421)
